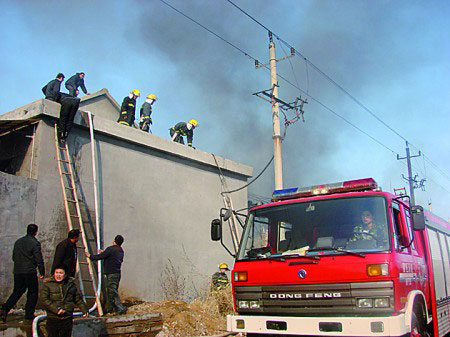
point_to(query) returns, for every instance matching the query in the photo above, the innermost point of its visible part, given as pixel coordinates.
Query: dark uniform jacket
(113, 256)
(66, 254)
(220, 280)
(52, 90)
(61, 295)
(181, 128)
(75, 81)
(27, 256)
(146, 111)
(128, 105)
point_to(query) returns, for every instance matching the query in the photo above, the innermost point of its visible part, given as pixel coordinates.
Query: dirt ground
(203, 317)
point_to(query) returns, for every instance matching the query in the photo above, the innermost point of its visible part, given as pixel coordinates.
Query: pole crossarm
(283, 105)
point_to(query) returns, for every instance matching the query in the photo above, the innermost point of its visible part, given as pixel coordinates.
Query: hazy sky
(392, 56)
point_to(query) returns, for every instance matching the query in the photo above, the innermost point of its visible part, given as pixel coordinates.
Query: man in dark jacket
(69, 108)
(60, 297)
(128, 109)
(74, 82)
(183, 129)
(66, 253)
(53, 88)
(27, 256)
(146, 112)
(113, 256)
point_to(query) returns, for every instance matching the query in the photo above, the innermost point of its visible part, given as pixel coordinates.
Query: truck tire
(418, 327)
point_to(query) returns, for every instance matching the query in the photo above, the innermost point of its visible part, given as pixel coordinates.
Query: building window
(16, 150)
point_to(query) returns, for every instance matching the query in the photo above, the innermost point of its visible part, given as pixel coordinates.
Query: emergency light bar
(342, 187)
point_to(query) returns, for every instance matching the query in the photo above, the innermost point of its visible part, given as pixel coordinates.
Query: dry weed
(203, 317)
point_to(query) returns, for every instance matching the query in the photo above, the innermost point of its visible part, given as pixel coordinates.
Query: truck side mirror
(418, 218)
(216, 230)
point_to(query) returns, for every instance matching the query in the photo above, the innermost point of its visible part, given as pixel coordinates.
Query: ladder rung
(87, 280)
(89, 296)
(83, 262)
(70, 200)
(81, 247)
(61, 148)
(74, 216)
(64, 161)
(70, 188)
(67, 173)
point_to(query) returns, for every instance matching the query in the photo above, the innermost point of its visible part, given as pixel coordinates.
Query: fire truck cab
(343, 259)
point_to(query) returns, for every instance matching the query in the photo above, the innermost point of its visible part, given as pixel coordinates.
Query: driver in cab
(369, 230)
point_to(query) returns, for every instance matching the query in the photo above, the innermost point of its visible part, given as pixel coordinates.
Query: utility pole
(271, 96)
(411, 180)
(277, 155)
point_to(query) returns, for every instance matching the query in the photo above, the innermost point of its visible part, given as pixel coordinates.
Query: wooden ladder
(232, 221)
(86, 270)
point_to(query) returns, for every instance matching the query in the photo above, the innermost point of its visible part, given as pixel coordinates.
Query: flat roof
(45, 108)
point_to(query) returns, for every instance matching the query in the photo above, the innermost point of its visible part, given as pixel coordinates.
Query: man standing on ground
(66, 253)
(113, 256)
(220, 278)
(128, 108)
(27, 256)
(74, 82)
(52, 89)
(60, 297)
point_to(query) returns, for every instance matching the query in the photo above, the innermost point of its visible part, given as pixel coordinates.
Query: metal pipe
(97, 215)
(32, 151)
(97, 228)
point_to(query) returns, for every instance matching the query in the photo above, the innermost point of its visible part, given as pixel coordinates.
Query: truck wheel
(417, 328)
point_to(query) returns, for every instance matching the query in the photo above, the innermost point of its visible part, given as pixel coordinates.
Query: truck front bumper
(320, 326)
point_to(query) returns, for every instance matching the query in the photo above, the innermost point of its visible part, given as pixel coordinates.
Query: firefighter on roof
(146, 112)
(128, 108)
(220, 278)
(183, 129)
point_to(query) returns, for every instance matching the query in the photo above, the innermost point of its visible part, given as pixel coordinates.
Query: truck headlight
(364, 303)
(255, 305)
(381, 302)
(243, 304)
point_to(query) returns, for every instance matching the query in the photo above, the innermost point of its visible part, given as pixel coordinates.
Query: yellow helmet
(151, 96)
(136, 93)
(223, 266)
(193, 122)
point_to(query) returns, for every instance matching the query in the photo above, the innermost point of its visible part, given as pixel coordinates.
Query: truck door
(417, 251)
(404, 262)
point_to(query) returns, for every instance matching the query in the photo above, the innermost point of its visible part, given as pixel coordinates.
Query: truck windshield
(357, 224)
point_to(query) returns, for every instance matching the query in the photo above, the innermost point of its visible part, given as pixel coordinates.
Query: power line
(282, 77)
(292, 84)
(207, 29)
(358, 102)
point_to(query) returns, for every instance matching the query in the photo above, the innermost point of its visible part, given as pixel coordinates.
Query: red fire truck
(343, 259)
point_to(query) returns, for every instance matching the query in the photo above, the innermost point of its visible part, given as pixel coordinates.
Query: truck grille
(317, 299)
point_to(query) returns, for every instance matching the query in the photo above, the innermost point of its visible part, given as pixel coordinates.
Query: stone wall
(17, 210)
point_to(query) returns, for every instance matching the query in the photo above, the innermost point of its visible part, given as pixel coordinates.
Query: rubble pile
(203, 317)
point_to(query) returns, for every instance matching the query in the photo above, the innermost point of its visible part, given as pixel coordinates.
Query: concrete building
(161, 196)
